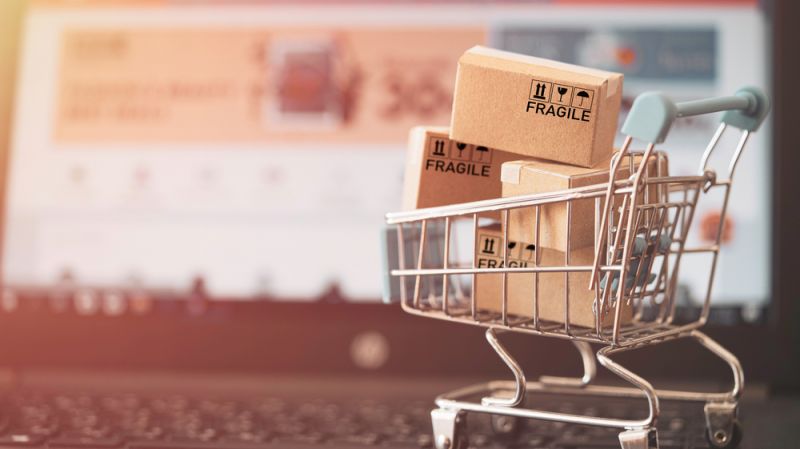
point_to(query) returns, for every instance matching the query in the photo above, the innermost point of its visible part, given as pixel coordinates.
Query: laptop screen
(254, 149)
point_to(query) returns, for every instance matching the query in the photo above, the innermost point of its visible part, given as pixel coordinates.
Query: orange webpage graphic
(278, 84)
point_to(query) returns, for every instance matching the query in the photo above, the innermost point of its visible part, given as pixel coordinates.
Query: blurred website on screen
(258, 147)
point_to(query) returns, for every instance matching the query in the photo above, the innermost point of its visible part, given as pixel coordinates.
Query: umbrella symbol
(530, 247)
(481, 151)
(584, 95)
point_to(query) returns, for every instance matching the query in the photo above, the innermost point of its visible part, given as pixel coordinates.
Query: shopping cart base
(449, 420)
(449, 426)
(506, 398)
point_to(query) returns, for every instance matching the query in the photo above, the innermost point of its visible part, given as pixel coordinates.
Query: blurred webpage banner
(260, 145)
(288, 84)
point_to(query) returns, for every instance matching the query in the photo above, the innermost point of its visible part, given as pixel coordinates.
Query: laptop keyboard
(62, 420)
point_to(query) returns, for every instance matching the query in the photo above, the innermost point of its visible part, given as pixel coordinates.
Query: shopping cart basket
(641, 226)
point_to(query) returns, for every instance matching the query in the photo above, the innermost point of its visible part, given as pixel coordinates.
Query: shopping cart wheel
(505, 426)
(721, 439)
(639, 439)
(448, 429)
(724, 431)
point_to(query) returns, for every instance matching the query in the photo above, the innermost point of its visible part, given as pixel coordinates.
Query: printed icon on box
(462, 152)
(562, 95)
(511, 247)
(583, 98)
(482, 154)
(489, 245)
(529, 251)
(540, 90)
(438, 148)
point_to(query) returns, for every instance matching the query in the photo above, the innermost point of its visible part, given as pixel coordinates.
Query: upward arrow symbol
(541, 89)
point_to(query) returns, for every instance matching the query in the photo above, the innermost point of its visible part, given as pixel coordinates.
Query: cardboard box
(551, 286)
(538, 176)
(440, 171)
(535, 107)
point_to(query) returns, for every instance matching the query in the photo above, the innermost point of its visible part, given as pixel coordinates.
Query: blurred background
(249, 149)
(235, 159)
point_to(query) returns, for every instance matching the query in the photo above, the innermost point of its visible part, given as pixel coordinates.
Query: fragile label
(490, 252)
(447, 156)
(560, 100)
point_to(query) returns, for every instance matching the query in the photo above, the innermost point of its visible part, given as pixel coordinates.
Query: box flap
(510, 172)
(557, 169)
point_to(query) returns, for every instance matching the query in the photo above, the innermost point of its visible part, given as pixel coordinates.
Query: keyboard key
(532, 440)
(247, 437)
(366, 439)
(77, 442)
(425, 440)
(677, 424)
(21, 440)
(308, 438)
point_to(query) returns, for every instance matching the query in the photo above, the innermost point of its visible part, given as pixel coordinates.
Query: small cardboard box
(535, 107)
(440, 171)
(551, 286)
(538, 176)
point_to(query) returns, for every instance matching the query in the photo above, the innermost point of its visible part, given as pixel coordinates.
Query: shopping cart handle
(652, 113)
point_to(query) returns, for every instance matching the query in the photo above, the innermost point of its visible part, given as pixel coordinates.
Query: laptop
(153, 299)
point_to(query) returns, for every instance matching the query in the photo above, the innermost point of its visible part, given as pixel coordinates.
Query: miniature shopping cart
(642, 226)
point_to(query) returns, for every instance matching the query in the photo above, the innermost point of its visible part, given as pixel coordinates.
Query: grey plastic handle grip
(652, 113)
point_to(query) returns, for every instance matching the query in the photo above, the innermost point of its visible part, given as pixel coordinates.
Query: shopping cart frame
(649, 120)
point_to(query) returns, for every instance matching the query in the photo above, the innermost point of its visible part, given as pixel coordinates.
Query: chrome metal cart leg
(519, 375)
(727, 357)
(645, 435)
(587, 358)
(448, 428)
(722, 424)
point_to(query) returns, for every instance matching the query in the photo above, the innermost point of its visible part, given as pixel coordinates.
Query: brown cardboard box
(529, 177)
(538, 176)
(440, 171)
(551, 286)
(535, 107)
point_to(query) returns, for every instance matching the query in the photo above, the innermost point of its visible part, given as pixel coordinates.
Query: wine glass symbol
(561, 91)
(511, 246)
